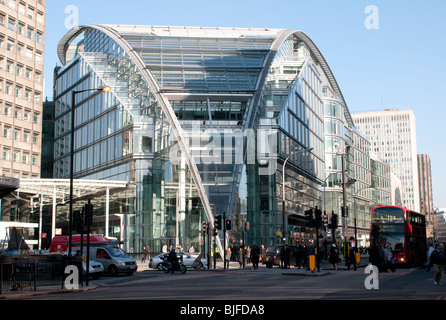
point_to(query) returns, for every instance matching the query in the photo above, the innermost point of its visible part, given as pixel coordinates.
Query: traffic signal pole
(224, 241)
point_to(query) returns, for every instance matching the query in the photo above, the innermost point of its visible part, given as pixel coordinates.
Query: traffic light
(344, 212)
(318, 218)
(228, 224)
(218, 222)
(78, 221)
(325, 219)
(88, 214)
(308, 214)
(204, 227)
(334, 221)
(309, 217)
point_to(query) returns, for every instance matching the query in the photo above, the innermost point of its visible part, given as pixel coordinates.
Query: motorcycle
(168, 266)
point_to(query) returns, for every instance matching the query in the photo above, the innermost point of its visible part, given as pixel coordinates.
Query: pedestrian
(262, 253)
(429, 252)
(282, 256)
(305, 257)
(300, 252)
(287, 257)
(248, 254)
(241, 257)
(351, 258)
(333, 259)
(389, 262)
(438, 260)
(143, 254)
(228, 257)
(375, 257)
(255, 256)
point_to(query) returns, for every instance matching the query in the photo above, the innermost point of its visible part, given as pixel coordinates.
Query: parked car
(95, 270)
(272, 256)
(189, 260)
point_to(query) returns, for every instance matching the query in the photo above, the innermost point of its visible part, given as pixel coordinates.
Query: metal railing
(23, 271)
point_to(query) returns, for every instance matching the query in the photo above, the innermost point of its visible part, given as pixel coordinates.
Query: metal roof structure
(58, 190)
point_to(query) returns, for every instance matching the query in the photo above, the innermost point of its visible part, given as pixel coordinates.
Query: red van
(60, 243)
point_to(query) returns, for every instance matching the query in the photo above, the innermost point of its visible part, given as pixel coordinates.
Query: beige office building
(392, 136)
(22, 26)
(426, 196)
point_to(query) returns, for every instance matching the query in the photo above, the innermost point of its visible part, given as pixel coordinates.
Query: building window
(39, 37)
(8, 88)
(6, 154)
(21, 29)
(35, 139)
(17, 134)
(30, 13)
(18, 91)
(18, 113)
(27, 115)
(40, 17)
(38, 57)
(8, 110)
(37, 77)
(30, 33)
(29, 74)
(21, 8)
(29, 53)
(11, 25)
(10, 45)
(19, 70)
(25, 158)
(26, 135)
(20, 50)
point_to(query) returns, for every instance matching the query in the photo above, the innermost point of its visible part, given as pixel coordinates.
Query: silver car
(189, 260)
(95, 270)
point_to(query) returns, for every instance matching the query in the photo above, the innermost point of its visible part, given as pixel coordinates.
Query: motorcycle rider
(173, 259)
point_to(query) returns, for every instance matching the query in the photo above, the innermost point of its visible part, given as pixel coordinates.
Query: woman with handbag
(389, 262)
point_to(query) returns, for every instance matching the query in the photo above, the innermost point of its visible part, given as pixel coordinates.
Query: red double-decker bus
(404, 229)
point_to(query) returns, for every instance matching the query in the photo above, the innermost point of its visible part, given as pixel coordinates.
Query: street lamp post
(283, 191)
(73, 106)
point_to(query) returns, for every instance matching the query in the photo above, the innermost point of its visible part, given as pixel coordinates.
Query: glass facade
(199, 123)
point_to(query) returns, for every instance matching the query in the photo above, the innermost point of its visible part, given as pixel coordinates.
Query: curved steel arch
(162, 100)
(315, 50)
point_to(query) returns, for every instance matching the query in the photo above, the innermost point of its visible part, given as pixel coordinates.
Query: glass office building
(200, 122)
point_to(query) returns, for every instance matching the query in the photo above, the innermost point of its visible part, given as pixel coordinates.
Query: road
(261, 285)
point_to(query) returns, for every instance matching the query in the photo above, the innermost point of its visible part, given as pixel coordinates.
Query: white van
(113, 259)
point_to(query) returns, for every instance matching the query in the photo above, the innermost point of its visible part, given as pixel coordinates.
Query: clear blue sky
(400, 65)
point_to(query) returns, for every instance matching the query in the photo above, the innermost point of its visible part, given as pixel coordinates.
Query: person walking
(241, 257)
(228, 257)
(375, 256)
(333, 258)
(429, 252)
(255, 256)
(438, 260)
(143, 254)
(351, 258)
(388, 258)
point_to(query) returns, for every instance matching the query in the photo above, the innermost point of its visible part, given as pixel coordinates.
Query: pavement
(143, 267)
